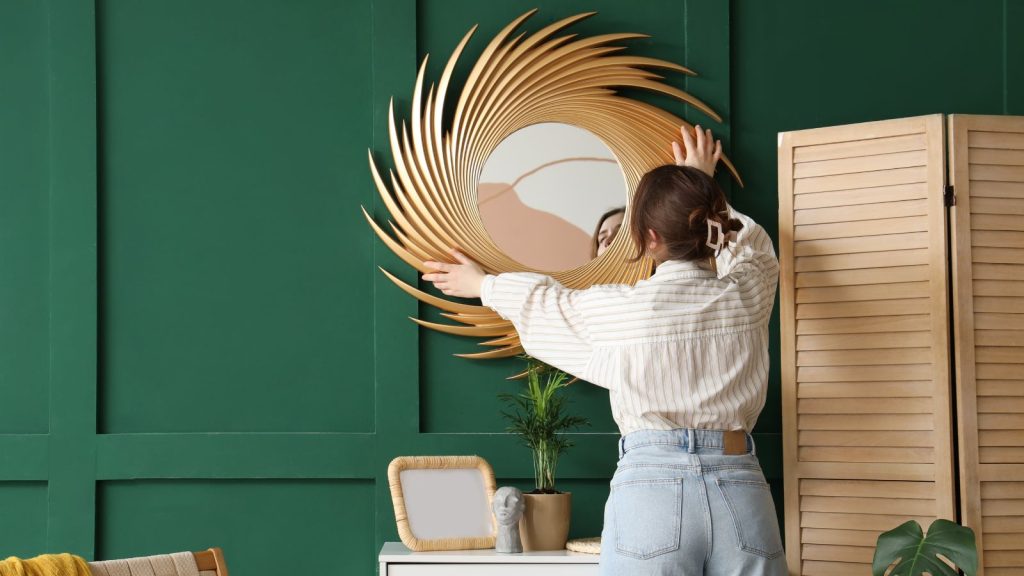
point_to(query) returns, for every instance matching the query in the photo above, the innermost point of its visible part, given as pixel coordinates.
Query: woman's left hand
(463, 279)
(702, 151)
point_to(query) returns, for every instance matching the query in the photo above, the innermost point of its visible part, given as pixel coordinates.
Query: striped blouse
(685, 348)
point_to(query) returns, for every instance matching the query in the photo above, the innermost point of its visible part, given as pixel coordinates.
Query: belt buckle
(734, 442)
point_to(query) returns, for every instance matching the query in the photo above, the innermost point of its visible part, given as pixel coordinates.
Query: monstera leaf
(915, 553)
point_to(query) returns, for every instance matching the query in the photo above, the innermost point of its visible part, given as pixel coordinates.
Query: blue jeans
(679, 506)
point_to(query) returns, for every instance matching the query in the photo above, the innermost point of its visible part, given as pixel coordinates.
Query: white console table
(397, 560)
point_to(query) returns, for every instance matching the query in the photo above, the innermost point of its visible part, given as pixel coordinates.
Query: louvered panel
(986, 134)
(996, 337)
(854, 245)
(864, 406)
(861, 554)
(1000, 387)
(867, 422)
(997, 238)
(862, 260)
(1000, 404)
(838, 537)
(858, 196)
(861, 341)
(837, 214)
(845, 373)
(898, 355)
(997, 438)
(902, 323)
(860, 180)
(865, 343)
(997, 156)
(815, 568)
(1009, 541)
(986, 159)
(996, 189)
(858, 521)
(880, 225)
(867, 505)
(1001, 524)
(843, 438)
(861, 454)
(864, 389)
(997, 221)
(864, 308)
(1002, 508)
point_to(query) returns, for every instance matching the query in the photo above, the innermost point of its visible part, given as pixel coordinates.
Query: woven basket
(585, 545)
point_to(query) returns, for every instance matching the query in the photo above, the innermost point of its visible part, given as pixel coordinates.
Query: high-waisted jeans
(679, 506)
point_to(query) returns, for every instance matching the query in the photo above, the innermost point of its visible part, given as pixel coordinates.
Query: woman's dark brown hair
(677, 202)
(595, 241)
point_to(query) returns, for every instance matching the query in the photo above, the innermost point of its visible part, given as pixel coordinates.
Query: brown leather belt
(734, 442)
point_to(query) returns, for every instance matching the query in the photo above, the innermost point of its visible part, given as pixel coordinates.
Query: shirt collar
(672, 266)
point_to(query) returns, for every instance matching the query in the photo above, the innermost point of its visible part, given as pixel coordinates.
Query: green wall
(195, 346)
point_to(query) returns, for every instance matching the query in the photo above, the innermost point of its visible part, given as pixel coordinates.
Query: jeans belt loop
(691, 444)
(753, 447)
(622, 446)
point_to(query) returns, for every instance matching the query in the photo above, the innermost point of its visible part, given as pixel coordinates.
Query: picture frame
(443, 502)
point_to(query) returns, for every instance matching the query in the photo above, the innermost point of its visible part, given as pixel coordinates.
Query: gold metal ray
(519, 79)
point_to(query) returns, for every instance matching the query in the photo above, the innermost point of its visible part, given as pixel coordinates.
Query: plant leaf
(914, 553)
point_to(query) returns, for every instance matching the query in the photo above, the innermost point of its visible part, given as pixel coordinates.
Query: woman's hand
(702, 152)
(462, 279)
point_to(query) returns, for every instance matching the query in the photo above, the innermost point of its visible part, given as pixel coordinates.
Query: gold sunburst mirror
(455, 184)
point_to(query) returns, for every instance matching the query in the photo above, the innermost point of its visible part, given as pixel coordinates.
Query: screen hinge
(948, 196)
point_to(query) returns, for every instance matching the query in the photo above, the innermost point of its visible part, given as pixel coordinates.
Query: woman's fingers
(677, 152)
(718, 152)
(688, 142)
(460, 257)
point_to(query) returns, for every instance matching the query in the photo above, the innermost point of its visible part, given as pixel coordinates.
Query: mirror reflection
(552, 196)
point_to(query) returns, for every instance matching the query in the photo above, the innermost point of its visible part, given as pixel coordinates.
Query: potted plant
(538, 416)
(907, 551)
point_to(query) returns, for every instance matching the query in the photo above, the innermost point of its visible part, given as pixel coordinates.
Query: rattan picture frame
(468, 522)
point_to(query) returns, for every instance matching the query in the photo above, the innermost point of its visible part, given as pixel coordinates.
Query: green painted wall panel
(24, 242)
(23, 508)
(236, 282)
(1013, 34)
(266, 527)
(235, 262)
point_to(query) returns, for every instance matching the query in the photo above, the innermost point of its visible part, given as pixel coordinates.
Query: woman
(607, 228)
(684, 355)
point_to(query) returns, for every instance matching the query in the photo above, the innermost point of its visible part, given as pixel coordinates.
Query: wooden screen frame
(933, 127)
(972, 471)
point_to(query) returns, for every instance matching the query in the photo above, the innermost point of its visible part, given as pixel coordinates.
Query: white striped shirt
(685, 348)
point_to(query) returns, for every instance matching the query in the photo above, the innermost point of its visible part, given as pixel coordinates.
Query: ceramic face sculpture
(508, 508)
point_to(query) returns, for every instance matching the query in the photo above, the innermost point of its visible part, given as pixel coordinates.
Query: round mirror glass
(551, 196)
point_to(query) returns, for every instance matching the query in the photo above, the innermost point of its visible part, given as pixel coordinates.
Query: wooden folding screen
(986, 159)
(865, 338)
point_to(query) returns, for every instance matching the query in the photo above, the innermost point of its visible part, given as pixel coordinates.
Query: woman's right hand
(702, 151)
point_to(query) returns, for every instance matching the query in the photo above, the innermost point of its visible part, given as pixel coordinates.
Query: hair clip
(717, 245)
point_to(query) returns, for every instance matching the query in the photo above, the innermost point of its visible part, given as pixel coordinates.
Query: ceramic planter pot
(545, 522)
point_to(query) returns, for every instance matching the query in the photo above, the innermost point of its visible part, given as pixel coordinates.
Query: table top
(395, 552)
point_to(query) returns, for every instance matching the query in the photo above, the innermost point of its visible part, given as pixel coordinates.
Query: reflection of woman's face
(609, 228)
